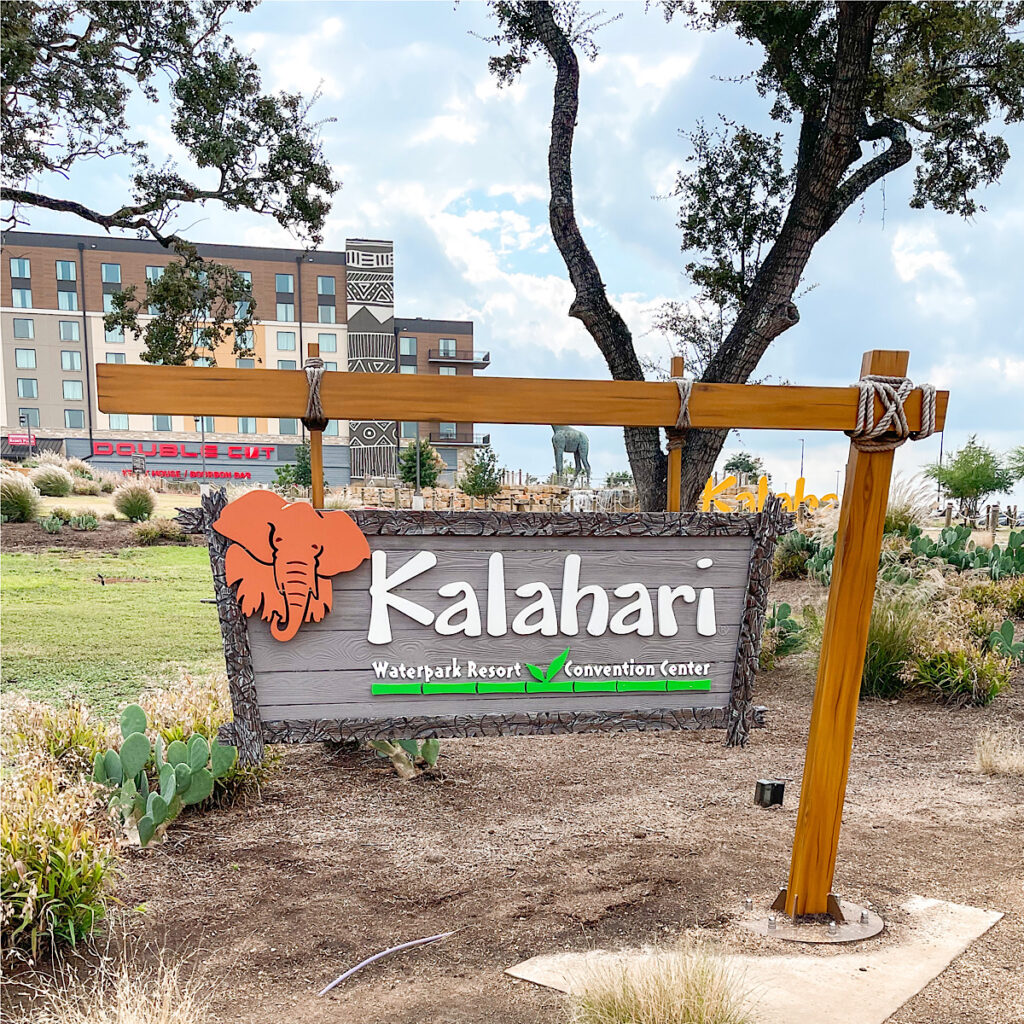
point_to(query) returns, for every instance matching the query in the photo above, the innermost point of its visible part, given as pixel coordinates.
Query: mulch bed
(108, 536)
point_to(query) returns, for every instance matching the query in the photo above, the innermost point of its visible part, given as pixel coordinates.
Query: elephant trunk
(297, 582)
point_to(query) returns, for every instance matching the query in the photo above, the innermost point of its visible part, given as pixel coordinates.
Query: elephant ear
(248, 521)
(344, 546)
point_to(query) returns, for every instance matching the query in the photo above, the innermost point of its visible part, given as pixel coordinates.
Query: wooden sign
(484, 623)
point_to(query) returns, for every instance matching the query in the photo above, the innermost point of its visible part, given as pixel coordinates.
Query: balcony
(481, 360)
(436, 437)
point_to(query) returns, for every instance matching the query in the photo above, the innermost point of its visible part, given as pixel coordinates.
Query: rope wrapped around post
(675, 434)
(891, 392)
(314, 418)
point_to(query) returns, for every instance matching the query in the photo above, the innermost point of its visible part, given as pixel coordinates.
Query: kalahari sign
(721, 497)
(454, 624)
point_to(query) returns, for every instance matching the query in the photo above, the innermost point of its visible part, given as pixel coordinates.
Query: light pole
(801, 457)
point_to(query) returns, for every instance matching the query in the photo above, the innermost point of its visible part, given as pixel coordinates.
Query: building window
(287, 426)
(67, 300)
(154, 273)
(66, 270)
(201, 361)
(286, 341)
(115, 357)
(114, 336)
(153, 310)
(74, 419)
(161, 422)
(447, 348)
(21, 268)
(25, 358)
(407, 369)
(69, 330)
(448, 431)
(286, 364)
(31, 417)
(409, 429)
(118, 421)
(286, 312)
(447, 371)
(328, 342)
(325, 314)
(284, 283)
(325, 286)
(330, 366)
(21, 298)
(247, 424)
(407, 346)
(28, 387)
(108, 302)
(245, 341)
(110, 273)
(24, 328)
(246, 276)
(331, 430)
(245, 363)
(242, 309)
(71, 361)
(72, 391)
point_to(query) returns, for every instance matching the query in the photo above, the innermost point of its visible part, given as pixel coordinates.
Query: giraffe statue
(576, 443)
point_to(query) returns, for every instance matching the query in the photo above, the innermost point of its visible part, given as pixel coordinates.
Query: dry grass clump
(686, 986)
(69, 735)
(999, 752)
(117, 991)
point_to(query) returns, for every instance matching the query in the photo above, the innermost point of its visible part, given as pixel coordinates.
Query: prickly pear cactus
(183, 775)
(409, 758)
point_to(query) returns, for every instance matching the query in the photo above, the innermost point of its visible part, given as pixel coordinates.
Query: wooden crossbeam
(211, 391)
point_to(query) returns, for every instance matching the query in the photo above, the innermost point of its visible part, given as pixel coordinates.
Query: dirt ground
(108, 536)
(573, 842)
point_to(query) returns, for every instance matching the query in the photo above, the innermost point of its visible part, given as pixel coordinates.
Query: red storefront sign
(172, 450)
(24, 439)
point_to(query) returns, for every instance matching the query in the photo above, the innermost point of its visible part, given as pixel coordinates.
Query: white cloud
(919, 258)
(455, 126)
(648, 73)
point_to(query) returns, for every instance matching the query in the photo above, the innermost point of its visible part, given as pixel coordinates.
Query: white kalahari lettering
(382, 600)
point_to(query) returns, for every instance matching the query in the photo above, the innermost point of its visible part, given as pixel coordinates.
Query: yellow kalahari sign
(719, 497)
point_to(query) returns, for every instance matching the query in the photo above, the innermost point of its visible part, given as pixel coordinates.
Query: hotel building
(56, 288)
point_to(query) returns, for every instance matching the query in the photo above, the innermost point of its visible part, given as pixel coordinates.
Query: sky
(433, 155)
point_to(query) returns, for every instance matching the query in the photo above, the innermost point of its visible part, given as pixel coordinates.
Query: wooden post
(675, 457)
(834, 715)
(949, 513)
(316, 448)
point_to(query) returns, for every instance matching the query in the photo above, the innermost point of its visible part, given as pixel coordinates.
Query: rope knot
(676, 434)
(891, 430)
(314, 418)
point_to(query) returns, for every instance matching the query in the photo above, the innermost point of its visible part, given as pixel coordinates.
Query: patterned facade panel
(372, 286)
(368, 256)
(372, 346)
(373, 448)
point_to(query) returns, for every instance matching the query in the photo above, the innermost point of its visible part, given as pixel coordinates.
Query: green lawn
(65, 634)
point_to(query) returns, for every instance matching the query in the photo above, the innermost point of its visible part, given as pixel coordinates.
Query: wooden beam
(675, 456)
(189, 390)
(316, 449)
(840, 666)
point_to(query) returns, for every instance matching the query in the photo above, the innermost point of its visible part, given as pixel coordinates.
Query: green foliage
(1015, 462)
(19, 498)
(963, 675)
(408, 757)
(1001, 641)
(954, 547)
(619, 478)
(52, 481)
(744, 462)
(135, 501)
(971, 474)
(184, 778)
(158, 529)
(89, 487)
(819, 564)
(67, 734)
(72, 73)
(430, 462)
(482, 478)
(64, 514)
(51, 524)
(86, 521)
(897, 624)
(199, 305)
(792, 552)
(791, 633)
(299, 473)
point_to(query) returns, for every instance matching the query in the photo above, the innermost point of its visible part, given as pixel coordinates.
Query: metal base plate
(854, 928)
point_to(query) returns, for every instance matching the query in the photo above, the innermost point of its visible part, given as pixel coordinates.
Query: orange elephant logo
(284, 555)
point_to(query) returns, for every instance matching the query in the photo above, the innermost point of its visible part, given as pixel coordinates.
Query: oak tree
(863, 88)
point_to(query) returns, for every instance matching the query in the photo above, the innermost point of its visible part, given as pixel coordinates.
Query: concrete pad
(864, 986)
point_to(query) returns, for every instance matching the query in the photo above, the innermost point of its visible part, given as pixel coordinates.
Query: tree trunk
(591, 306)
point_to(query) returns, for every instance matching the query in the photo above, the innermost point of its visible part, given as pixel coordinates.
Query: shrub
(962, 675)
(45, 459)
(51, 524)
(782, 636)
(78, 467)
(63, 513)
(158, 529)
(483, 475)
(910, 504)
(431, 464)
(83, 486)
(108, 483)
(999, 752)
(791, 554)
(86, 521)
(339, 501)
(55, 862)
(135, 501)
(52, 481)
(678, 987)
(897, 622)
(68, 734)
(19, 498)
